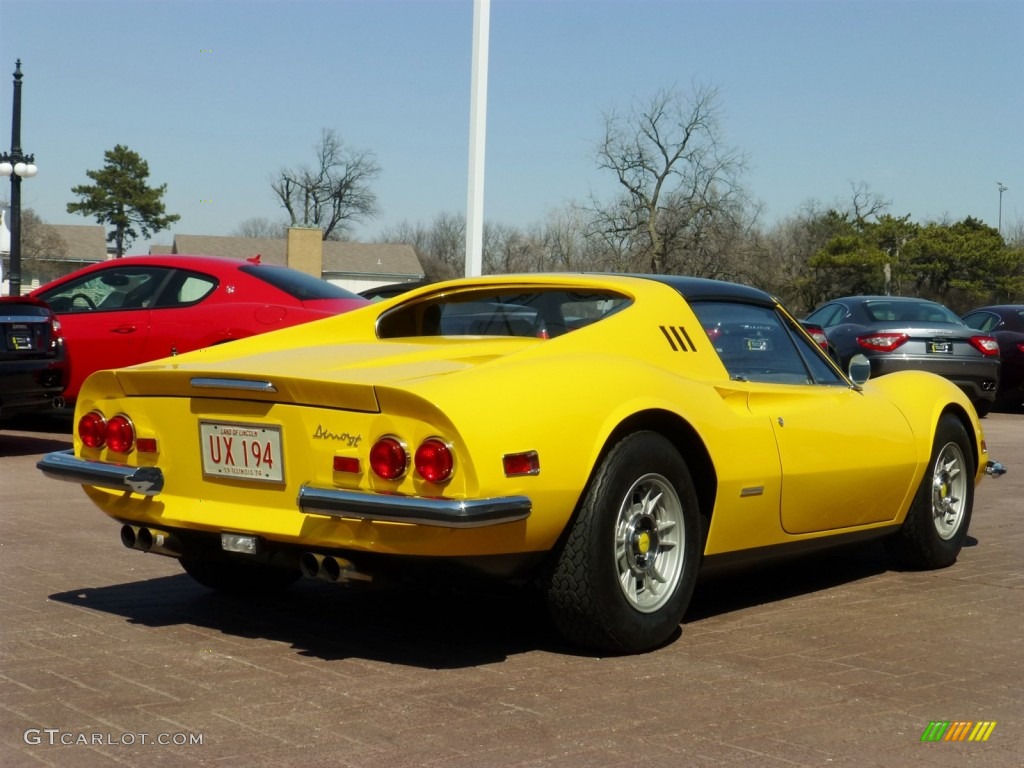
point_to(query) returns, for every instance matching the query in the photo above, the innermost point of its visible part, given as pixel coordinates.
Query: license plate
(758, 345)
(942, 347)
(19, 341)
(241, 451)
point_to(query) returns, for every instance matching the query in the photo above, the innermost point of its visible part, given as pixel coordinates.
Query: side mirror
(859, 370)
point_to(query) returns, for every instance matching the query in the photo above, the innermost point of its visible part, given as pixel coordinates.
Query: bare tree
(678, 181)
(260, 226)
(333, 194)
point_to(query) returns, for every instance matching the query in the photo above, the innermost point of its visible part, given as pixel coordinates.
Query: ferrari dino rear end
(602, 435)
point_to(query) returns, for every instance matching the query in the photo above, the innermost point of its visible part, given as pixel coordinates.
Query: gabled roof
(340, 258)
(82, 242)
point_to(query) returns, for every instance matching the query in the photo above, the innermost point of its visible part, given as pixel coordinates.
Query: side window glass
(111, 289)
(827, 316)
(981, 321)
(757, 343)
(752, 342)
(186, 288)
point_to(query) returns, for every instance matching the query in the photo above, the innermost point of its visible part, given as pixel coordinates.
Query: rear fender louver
(678, 338)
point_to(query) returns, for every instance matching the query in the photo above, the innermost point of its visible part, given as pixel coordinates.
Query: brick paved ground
(833, 661)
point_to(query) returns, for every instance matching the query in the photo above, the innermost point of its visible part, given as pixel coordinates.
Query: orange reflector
(146, 444)
(526, 463)
(348, 464)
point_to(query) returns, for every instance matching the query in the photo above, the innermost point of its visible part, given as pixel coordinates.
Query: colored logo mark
(958, 730)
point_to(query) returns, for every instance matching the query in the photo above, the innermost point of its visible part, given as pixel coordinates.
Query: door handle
(124, 329)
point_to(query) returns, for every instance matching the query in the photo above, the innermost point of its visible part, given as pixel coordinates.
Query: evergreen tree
(121, 199)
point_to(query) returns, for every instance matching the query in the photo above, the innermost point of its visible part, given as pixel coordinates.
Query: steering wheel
(86, 299)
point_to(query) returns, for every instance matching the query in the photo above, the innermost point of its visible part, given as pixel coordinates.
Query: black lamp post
(18, 166)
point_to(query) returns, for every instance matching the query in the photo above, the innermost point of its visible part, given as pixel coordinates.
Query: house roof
(340, 258)
(82, 242)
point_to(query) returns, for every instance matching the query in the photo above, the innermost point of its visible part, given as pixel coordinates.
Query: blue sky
(920, 100)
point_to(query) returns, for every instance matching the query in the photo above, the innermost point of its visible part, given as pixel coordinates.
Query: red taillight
(120, 434)
(434, 461)
(526, 463)
(986, 345)
(819, 337)
(388, 458)
(882, 342)
(92, 429)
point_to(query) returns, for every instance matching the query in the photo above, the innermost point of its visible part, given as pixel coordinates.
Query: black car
(33, 360)
(1005, 322)
(381, 292)
(898, 333)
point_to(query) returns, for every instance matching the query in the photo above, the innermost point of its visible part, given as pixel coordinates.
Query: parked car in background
(141, 308)
(658, 426)
(899, 333)
(381, 292)
(1005, 322)
(33, 365)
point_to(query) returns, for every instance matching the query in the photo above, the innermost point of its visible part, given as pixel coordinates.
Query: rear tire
(936, 525)
(238, 578)
(626, 573)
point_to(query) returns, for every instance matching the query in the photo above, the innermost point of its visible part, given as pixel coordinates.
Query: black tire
(983, 407)
(238, 578)
(626, 572)
(936, 525)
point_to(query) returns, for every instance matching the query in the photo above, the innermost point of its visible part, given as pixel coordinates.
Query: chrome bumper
(443, 513)
(64, 465)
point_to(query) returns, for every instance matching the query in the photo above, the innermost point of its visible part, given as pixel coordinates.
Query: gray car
(898, 333)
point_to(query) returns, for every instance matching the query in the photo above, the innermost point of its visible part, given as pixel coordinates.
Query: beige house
(68, 247)
(353, 266)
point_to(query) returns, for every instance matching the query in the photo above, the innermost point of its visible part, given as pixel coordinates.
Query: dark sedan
(897, 333)
(33, 364)
(1005, 322)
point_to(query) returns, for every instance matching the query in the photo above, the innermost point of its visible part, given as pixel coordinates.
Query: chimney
(306, 250)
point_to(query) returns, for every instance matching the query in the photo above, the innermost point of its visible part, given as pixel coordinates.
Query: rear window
(297, 284)
(540, 313)
(909, 312)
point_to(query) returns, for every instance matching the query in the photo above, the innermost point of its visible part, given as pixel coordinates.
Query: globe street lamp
(18, 166)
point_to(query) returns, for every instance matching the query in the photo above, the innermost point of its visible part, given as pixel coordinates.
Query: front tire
(936, 525)
(626, 573)
(238, 578)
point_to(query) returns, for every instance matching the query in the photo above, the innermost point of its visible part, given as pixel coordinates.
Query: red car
(141, 308)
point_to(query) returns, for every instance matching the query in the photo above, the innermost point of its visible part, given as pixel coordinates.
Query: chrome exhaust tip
(150, 540)
(309, 564)
(329, 568)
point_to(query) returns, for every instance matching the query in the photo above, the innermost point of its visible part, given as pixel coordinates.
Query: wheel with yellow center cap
(626, 572)
(936, 525)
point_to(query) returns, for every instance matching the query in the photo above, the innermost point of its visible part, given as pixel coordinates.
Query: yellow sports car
(605, 437)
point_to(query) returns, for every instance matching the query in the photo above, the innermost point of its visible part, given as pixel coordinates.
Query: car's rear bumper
(333, 502)
(30, 385)
(979, 379)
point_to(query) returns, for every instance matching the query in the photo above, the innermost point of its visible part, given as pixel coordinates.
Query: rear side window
(756, 343)
(185, 288)
(538, 313)
(296, 284)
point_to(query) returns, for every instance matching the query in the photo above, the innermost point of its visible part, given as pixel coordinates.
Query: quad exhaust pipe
(330, 568)
(150, 540)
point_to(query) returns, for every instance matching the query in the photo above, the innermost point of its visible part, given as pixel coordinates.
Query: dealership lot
(109, 657)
